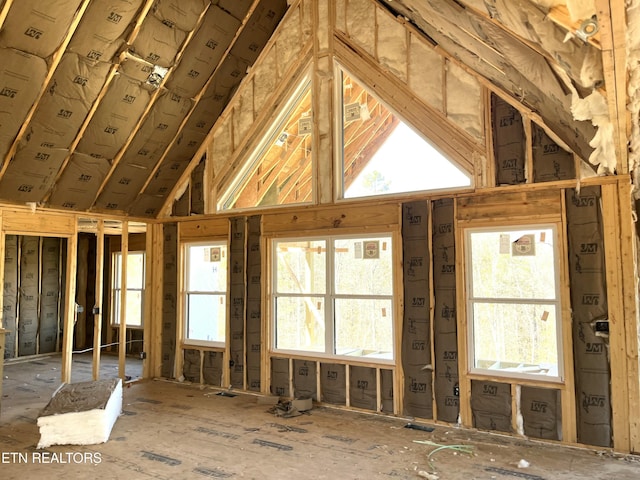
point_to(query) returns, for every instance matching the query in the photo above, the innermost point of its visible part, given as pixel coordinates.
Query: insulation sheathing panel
(115, 118)
(426, 73)
(237, 299)
(209, 108)
(363, 387)
(386, 390)
(254, 297)
(49, 295)
(280, 377)
(361, 24)
(158, 43)
(197, 188)
(204, 52)
(464, 101)
(31, 173)
(491, 405)
(10, 294)
(392, 45)
(550, 161)
(29, 295)
(180, 207)
(102, 28)
(444, 316)
(38, 27)
(587, 278)
(147, 205)
(212, 368)
(258, 30)
(289, 42)
(305, 383)
(416, 335)
(237, 8)
(333, 383)
(78, 186)
(123, 187)
(21, 78)
(169, 298)
(163, 121)
(508, 142)
(179, 13)
(191, 366)
(541, 412)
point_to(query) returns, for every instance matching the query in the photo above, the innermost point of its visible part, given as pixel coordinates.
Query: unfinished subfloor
(182, 431)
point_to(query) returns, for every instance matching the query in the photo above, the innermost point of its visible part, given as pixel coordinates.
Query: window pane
(364, 328)
(135, 270)
(206, 315)
(207, 268)
(516, 338)
(134, 308)
(513, 264)
(301, 266)
(117, 269)
(363, 266)
(300, 323)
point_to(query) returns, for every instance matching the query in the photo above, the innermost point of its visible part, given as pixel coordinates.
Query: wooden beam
(99, 296)
(69, 307)
(149, 295)
(122, 326)
(53, 64)
(5, 11)
(157, 291)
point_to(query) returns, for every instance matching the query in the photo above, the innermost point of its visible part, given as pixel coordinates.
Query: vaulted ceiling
(104, 101)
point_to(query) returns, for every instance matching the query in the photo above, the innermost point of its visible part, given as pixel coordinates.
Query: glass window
(135, 288)
(514, 304)
(334, 296)
(205, 292)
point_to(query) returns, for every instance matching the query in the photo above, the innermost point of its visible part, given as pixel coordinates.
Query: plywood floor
(181, 431)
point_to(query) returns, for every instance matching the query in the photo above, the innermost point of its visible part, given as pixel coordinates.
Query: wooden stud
(5, 11)
(528, 151)
(99, 296)
(180, 309)
(3, 238)
(149, 296)
(122, 326)
(69, 308)
(157, 290)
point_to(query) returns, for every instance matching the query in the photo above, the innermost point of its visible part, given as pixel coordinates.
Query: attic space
(295, 227)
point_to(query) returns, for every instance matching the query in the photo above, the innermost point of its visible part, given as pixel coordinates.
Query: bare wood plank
(560, 16)
(99, 296)
(26, 223)
(147, 322)
(157, 293)
(69, 308)
(122, 326)
(5, 11)
(511, 204)
(203, 228)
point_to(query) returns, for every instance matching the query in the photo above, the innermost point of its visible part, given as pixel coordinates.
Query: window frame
(330, 296)
(116, 269)
(185, 250)
(557, 302)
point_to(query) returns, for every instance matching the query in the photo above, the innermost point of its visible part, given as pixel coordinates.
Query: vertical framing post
(69, 306)
(99, 296)
(122, 327)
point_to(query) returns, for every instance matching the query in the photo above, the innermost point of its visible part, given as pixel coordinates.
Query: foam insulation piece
(587, 279)
(333, 383)
(21, 78)
(392, 45)
(426, 73)
(169, 298)
(101, 31)
(265, 79)
(289, 42)
(280, 377)
(508, 142)
(38, 27)
(363, 388)
(203, 53)
(541, 412)
(491, 405)
(212, 368)
(243, 114)
(81, 413)
(191, 366)
(633, 84)
(197, 189)
(464, 101)
(31, 173)
(305, 383)
(386, 390)
(361, 24)
(158, 43)
(237, 8)
(80, 181)
(10, 294)
(29, 295)
(115, 118)
(179, 13)
(237, 299)
(49, 295)
(444, 316)
(256, 33)
(550, 161)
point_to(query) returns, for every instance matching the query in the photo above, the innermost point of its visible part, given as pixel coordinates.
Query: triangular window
(279, 172)
(384, 155)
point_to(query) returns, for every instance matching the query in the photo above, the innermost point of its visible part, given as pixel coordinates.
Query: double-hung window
(134, 286)
(205, 293)
(334, 295)
(514, 302)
